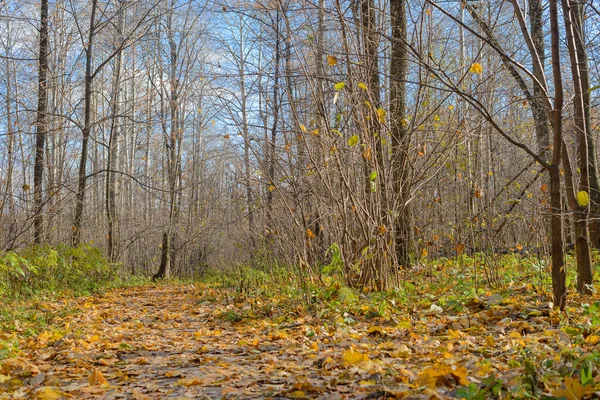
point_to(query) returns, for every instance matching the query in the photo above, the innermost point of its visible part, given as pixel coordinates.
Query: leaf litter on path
(169, 341)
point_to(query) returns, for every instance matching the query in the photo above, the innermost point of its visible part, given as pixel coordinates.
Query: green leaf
(586, 373)
(353, 141)
(373, 176)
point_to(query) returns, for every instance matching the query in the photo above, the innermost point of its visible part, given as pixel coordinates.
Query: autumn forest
(299, 199)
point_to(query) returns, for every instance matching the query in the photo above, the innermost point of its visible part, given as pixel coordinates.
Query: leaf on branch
(583, 199)
(476, 68)
(339, 86)
(353, 141)
(332, 60)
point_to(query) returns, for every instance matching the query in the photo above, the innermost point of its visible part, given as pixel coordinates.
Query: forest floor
(205, 342)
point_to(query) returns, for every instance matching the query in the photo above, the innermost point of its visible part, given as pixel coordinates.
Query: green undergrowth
(448, 285)
(38, 285)
(47, 271)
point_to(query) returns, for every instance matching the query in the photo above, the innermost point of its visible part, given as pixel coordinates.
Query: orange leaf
(96, 378)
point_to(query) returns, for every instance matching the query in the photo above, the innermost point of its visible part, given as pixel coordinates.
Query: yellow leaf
(48, 393)
(367, 153)
(353, 141)
(96, 378)
(352, 356)
(297, 394)
(332, 60)
(573, 390)
(544, 188)
(592, 340)
(315, 132)
(362, 86)
(271, 188)
(190, 382)
(310, 234)
(381, 114)
(476, 68)
(450, 107)
(302, 128)
(424, 253)
(430, 375)
(226, 136)
(339, 86)
(583, 198)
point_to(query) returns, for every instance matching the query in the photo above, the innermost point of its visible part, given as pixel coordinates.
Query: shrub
(46, 269)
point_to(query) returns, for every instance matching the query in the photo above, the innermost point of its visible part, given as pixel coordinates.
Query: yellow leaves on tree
(381, 115)
(448, 375)
(476, 68)
(353, 140)
(310, 234)
(339, 86)
(332, 60)
(583, 199)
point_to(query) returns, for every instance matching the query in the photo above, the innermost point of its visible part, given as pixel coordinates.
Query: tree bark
(581, 211)
(41, 125)
(113, 143)
(398, 130)
(87, 127)
(559, 275)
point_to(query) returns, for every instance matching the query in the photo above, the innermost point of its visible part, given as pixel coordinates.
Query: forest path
(195, 341)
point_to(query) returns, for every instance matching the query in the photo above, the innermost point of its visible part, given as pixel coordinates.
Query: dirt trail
(163, 342)
(176, 341)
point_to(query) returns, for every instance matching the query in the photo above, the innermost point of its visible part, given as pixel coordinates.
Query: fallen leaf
(96, 378)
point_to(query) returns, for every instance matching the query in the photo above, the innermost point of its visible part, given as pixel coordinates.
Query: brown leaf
(96, 378)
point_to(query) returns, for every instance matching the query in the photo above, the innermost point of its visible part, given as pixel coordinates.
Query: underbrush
(38, 283)
(446, 285)
(46, 271)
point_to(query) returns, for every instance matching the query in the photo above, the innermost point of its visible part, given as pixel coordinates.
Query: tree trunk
(577, 17)
(275, 101)
(398, 130)
(87, 127)
(559, 275)
(41, 125)
(581, 211)
(113, 143)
